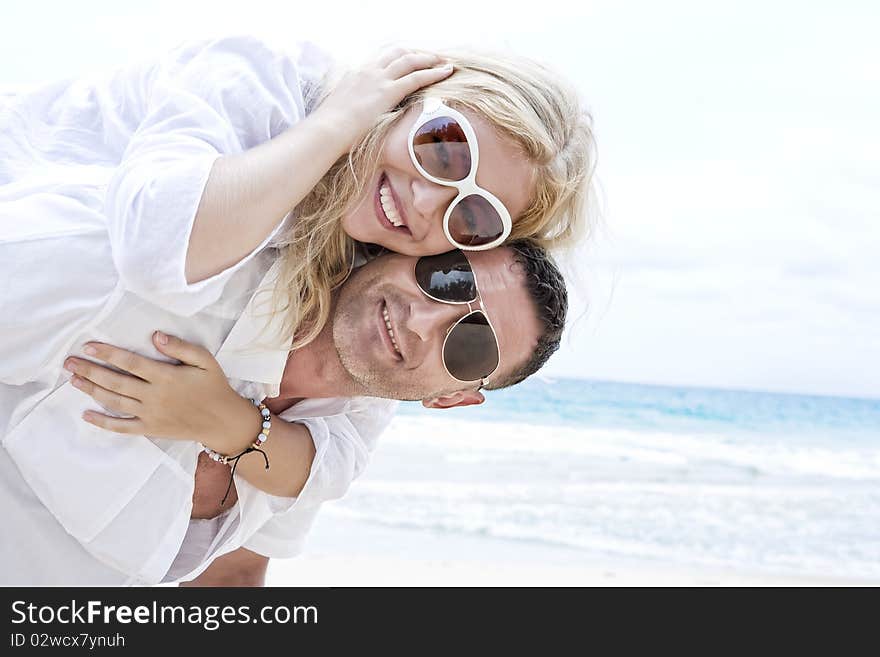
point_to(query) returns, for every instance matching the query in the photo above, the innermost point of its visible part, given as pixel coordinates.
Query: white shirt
(100, 180)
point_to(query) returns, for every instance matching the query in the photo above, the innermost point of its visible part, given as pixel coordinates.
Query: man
(387, 338)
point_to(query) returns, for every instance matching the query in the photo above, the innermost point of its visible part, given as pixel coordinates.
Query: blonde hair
(524, 100)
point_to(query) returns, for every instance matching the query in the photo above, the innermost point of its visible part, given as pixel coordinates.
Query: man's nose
(430, 319)
(430, 199)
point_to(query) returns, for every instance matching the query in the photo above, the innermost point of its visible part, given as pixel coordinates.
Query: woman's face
(421, 205)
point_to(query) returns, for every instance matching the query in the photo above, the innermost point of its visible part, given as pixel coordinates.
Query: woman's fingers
(110, 400)
(124, 384)
(411, 61)
(386, 57)
(418, 79)
(185, 352)
(128, 361)
(115, 424)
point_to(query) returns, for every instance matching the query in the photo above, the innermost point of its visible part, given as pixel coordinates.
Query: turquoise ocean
(751, 481)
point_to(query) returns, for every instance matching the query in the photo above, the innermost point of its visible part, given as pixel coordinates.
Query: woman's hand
(361, 96)
(189, 401)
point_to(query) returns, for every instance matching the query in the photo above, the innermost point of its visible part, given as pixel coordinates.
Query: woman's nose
(430, 199)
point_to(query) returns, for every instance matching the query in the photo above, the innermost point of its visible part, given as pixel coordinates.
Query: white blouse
(100, 180)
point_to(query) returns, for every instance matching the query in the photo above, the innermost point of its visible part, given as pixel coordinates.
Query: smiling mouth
(389, 331)
(387, 207)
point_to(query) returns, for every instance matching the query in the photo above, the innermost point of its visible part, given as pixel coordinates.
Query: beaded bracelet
(262, 437)
(257, 445)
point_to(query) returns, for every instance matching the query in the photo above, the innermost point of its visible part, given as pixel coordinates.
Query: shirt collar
(252, 351)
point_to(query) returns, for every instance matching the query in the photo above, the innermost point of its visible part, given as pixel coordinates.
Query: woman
(167, 182)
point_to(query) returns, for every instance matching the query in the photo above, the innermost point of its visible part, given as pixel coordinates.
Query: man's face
(420, 325)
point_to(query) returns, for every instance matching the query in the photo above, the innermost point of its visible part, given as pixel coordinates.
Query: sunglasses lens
(446, 277)
(474, 222)
(442, 149)
(471, 352)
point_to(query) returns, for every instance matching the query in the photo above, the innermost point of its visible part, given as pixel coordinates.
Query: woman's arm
(247, 194)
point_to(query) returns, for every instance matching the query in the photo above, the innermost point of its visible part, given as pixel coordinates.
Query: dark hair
(546, 287)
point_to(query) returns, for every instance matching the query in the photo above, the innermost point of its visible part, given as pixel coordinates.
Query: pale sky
(739, 161)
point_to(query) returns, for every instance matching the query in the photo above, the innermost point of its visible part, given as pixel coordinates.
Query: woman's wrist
(336, 133)
(242, 425)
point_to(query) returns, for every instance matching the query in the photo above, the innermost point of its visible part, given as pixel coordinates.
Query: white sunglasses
(443, 147)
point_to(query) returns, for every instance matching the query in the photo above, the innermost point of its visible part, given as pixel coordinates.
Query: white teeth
(388, 327)
(387, 201)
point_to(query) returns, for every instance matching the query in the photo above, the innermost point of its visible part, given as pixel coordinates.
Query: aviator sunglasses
(443, 147)
(470, 350)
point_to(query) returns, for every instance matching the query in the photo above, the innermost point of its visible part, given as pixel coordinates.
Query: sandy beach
(346, 552)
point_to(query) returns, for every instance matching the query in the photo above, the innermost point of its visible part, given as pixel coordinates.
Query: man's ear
(457, 398)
